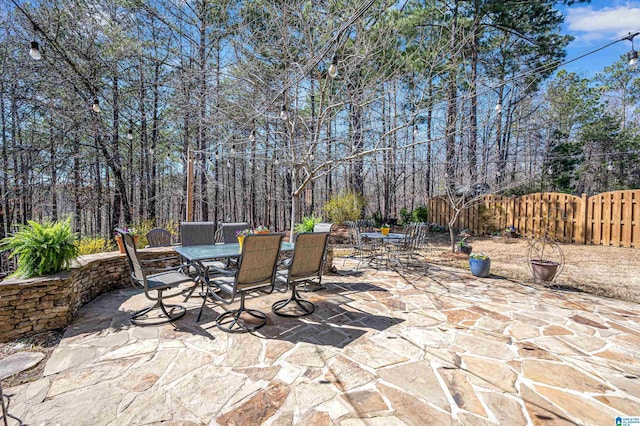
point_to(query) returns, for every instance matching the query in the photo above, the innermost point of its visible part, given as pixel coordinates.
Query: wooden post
(190, 186)
(582, 220)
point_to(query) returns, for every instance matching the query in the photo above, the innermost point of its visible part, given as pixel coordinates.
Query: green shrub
(342, 208)
(42, 249)
(420, 214)
(94, 245)
(405, 215)
(307, 224)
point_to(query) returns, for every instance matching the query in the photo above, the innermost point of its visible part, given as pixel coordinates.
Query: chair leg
(236, 323)
(306, 306)
(137, 317)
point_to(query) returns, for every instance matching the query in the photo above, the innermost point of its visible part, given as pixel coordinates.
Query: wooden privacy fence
(611, 218)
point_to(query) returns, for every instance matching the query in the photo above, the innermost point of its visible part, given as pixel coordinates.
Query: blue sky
(596, 24)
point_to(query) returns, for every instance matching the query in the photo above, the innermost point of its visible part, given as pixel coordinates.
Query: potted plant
(42, 249)
(261, 230)
(479, 264)
(242, 234)
(545, 254)
(384, 229)
(510, 232)
(463, 247)
(130, 231)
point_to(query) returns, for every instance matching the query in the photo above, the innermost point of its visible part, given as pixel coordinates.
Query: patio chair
(229, 231)
(159, 237)
(197, 233)
(256, 271)
(306, 266)
(154, 285)
(362, 250)
(407, 249)
(200, 234)
(322, 227)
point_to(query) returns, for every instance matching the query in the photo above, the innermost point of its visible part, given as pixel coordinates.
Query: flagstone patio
(432, 347)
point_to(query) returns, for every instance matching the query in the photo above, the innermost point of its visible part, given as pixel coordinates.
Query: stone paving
(436, 347)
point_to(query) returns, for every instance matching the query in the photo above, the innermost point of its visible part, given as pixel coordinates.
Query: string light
(498, 108)
(333, 68)
(284, 115)
(34, 52)
(96, 106)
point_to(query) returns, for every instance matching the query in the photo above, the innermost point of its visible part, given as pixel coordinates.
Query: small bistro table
(390, 237)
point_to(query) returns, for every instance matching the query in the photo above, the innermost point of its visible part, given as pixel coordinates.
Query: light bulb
(633, 58)
(276, 162)
(229, 163)
(34, 52)
(610, 166)
(130, 135)
(252, 136)
(415, 130)
(550, 171)
(96, 106)
(333, 68)
(498, 108)
(283, 113)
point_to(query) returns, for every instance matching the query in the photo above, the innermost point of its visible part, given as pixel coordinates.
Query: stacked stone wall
(32, 305)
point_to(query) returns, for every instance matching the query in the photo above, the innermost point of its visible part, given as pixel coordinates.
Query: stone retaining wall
(47, 303)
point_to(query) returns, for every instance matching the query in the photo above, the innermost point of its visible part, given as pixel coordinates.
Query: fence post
(582, 221)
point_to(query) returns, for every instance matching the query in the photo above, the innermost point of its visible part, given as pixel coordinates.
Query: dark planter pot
(465, 250)
(480, 268)
(544, 270)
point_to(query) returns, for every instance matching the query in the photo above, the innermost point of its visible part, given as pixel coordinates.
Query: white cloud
(604, 23)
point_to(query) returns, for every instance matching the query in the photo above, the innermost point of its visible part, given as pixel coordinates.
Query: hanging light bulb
(415, 130)
(498, 108)
(498, 174)
(252, 135)
(284, 115)
(229, 163)
(96, 106)
(276, 162)
(610, 166)
(34, 52)
(250, 163)
(633, 58)
(130, 134)
(217, 156)
(233, 149)
(333, 68)
(550, 171)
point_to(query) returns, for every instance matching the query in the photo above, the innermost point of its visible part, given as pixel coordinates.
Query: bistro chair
(408, 249)
(362, 249)
(154, 285)
(256, 271)
(322, 227)
(305, 267)
(159, 237)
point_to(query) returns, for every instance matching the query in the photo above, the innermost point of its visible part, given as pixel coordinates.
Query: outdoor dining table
(390, 237)
(197, 254)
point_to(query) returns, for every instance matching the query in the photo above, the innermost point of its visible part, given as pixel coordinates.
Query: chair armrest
(169, 268)
(159, 259)
(227, 272)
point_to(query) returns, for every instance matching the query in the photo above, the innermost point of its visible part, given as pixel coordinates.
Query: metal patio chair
(200, 234)
(154, 285)
(306, 267)
(229, 230)
(159, 237)
(256, 271)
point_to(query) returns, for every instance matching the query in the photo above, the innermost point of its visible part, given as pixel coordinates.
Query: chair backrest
(197, 233)
(413, 235)
(159, 237)
(308, 255)
(322, 227)
(257, 265)
(354, 233)
(137, 275)
(229, 231)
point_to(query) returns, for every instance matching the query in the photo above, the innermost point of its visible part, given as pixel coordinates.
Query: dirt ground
(602, 270)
